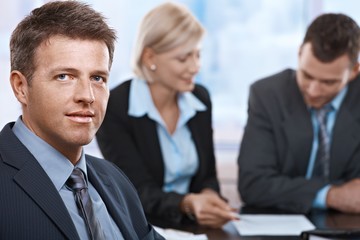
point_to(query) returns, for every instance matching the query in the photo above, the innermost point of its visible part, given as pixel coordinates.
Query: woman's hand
(208, 208)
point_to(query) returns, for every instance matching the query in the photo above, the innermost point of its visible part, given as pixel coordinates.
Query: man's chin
(316, 105)
(82, 140)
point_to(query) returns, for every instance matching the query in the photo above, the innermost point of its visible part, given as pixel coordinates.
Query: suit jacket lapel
(113, 200)
(298, 127)
(345, 139)
(35, 182)
(299, 133)
(148, 139)
(47, 197)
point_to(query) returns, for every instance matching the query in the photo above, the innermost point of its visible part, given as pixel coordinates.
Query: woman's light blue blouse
(178, 149)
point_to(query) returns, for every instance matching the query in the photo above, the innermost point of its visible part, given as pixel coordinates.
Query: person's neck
(165, 100)
(163, 97)
(71, 152)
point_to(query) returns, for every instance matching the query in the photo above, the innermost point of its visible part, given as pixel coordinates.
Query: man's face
(320, 82)
(66, 100)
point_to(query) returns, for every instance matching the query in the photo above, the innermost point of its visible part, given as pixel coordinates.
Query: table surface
(321, 219)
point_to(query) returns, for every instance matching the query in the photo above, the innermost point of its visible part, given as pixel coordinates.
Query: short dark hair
(66, 18)
(333, 35)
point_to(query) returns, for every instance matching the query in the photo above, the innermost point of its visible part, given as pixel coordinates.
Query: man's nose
(314, 89)
(84, 91)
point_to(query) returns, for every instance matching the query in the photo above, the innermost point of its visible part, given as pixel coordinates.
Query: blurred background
(245, 40)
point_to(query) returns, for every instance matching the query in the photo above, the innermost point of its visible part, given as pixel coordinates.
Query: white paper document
(173, 234)
(272, 225)
(318, 238)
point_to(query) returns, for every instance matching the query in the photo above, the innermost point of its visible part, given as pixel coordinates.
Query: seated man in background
(61, 56)
(301, 146)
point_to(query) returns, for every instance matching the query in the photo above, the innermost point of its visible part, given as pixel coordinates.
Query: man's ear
(148, 57)
(300, 50)
(19, 86)
(354, 71)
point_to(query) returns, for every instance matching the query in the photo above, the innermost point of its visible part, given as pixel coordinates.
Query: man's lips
(188, 80)
(81, 116)
(314, 99)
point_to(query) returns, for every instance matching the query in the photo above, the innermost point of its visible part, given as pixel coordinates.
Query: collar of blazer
(345, 138)
(17, 156)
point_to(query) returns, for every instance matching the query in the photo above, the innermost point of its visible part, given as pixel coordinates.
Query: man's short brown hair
(66, 18)
(333, 35)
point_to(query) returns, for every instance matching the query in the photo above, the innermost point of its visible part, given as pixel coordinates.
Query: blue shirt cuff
(320, 199)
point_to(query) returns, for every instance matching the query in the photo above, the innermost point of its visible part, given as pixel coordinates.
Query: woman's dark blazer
(132, 143)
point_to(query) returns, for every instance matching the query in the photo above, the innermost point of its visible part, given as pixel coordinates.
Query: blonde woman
(157, 128)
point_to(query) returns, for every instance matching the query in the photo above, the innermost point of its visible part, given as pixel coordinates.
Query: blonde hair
(164, 28)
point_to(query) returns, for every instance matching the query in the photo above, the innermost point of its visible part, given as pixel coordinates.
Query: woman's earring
(153, 67)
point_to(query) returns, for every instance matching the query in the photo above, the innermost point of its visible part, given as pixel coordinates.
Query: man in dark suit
(288, 158)
(61, 56)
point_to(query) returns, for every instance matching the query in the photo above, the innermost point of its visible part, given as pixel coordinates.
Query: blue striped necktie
(76, 183)
(322, 162)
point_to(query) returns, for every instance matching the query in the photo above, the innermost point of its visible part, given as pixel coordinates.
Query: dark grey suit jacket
(31, 207)
(278, 137)
(132, 143)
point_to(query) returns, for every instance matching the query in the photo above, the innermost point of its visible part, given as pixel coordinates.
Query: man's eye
(63, 77)
(329, 83)
(99, 79)
(307, 76)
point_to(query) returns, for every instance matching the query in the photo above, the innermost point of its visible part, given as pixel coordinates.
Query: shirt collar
(140, 103)
(336, 102)
(56, 165)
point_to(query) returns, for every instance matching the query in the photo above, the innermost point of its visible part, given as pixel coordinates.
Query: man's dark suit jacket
(32, 208)
(277, 142)
(132, 143)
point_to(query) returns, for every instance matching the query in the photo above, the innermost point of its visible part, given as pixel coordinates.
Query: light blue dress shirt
(320, 199)
(59, 168)
(178, 149)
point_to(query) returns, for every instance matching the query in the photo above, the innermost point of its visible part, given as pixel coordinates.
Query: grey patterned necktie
(76, 183)
(322, 162)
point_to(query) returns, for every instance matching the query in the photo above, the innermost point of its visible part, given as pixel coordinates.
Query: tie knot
(321, 113)
(76, 181)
